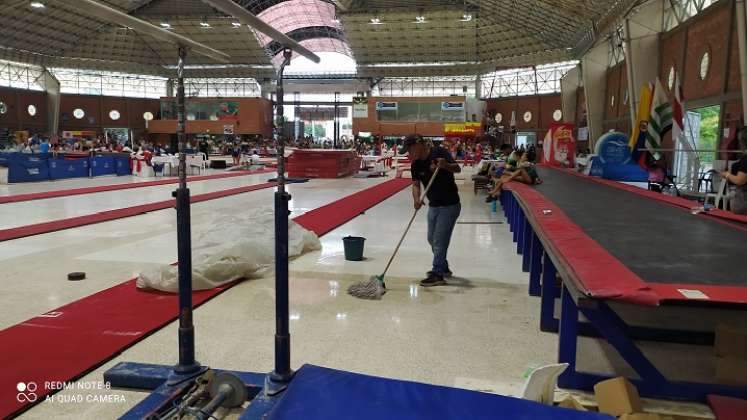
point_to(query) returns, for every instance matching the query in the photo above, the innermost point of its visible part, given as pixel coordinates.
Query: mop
(374, 288)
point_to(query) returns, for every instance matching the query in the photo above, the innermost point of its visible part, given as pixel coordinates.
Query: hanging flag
(513, 121)
(660, 120)
(638, 136)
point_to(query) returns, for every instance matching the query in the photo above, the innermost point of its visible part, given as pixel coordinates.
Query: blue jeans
(441, 221)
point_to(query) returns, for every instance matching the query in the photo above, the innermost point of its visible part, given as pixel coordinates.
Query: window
(526, 139)
(78, 113)
(498, 117)
(670, 78)
(612, 101)
(696, 149)
(114, 115)
(557, 115)
(31, 110)
(528, 116)
(3, 108)
(705, 63)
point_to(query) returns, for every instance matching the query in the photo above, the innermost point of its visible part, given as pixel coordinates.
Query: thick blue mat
(321, 393)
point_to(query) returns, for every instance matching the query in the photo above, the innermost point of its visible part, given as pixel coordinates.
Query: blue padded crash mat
(327, 394)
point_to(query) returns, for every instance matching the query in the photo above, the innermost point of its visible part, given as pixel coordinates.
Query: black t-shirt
(740, 166)
(444, 191)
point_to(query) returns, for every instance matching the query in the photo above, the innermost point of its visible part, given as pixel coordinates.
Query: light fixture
(466, 17)
(204, 24)
(419, 19)
(236, 24)
(37, 5)
(376, 21)
(165, 25)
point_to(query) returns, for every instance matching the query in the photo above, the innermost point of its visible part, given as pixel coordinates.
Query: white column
(52, 88)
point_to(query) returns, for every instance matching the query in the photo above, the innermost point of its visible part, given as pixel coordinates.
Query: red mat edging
(583, 256)
(17, 198)
(109, 215)
(68, 342)
(676, 201)
(596, 272)
(349, 207)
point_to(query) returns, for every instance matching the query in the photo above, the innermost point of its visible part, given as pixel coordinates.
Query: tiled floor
(479, 332)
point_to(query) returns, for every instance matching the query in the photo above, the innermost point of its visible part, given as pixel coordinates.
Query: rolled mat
(66, 343)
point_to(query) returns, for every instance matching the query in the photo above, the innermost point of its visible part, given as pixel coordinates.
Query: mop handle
(422, 197)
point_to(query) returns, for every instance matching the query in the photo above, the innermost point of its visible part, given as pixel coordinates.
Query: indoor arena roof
(385, 37)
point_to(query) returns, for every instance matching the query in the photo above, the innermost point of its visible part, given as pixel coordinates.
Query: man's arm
(416, 193)
(452, 167)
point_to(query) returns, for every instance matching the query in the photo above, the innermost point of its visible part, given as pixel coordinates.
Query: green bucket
(353, 247)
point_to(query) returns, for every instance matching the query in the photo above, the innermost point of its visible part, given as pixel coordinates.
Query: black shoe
(447, 274)
(433, 280)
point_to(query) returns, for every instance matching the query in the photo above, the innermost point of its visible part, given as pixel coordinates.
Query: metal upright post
(187, 365)
(279, 378)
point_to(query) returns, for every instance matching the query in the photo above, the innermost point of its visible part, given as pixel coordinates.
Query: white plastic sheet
(231, 247)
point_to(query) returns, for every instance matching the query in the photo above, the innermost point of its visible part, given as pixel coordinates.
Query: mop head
(372, 289)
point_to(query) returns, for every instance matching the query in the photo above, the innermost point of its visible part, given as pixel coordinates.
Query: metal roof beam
(245, 17)
(111, 15)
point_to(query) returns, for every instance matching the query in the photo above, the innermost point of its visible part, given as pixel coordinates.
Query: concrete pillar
(741, 7)
(642, 46)
(594, 76)
(52, 88)
(170, 88)
(569, 85)
(478, 86)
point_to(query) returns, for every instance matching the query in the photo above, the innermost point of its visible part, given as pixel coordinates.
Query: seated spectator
(738, 176)
(525, 172)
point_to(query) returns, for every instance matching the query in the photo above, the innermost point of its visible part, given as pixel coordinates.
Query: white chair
(195, 162)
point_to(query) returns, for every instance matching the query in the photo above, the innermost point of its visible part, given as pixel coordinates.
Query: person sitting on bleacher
(524, 172)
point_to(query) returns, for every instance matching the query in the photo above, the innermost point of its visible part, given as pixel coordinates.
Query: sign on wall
(452, 106)
(387, 106)
(228, 129)
(360, 107)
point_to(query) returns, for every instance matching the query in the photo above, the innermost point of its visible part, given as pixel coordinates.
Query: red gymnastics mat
(331, 216)
(116, 187)
(67, 342)
(105, 216)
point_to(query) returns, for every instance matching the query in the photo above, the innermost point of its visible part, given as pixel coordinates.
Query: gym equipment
(610, 245)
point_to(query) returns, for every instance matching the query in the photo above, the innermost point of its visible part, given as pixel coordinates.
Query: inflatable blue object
(68, 168)
(614, 160)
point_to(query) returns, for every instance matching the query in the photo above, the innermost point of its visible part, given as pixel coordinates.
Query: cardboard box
(617, 396)
(731, 341)
(731, 371)
(572, 403)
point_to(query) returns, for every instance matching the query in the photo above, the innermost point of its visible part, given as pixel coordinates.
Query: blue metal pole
(547, 304)
(535, 266)
(282, 373)
(568, 339)
(187, 364)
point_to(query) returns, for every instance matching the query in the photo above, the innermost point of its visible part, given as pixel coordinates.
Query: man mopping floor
(443, 200)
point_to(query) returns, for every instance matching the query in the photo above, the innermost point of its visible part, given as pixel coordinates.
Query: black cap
(409, 141)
